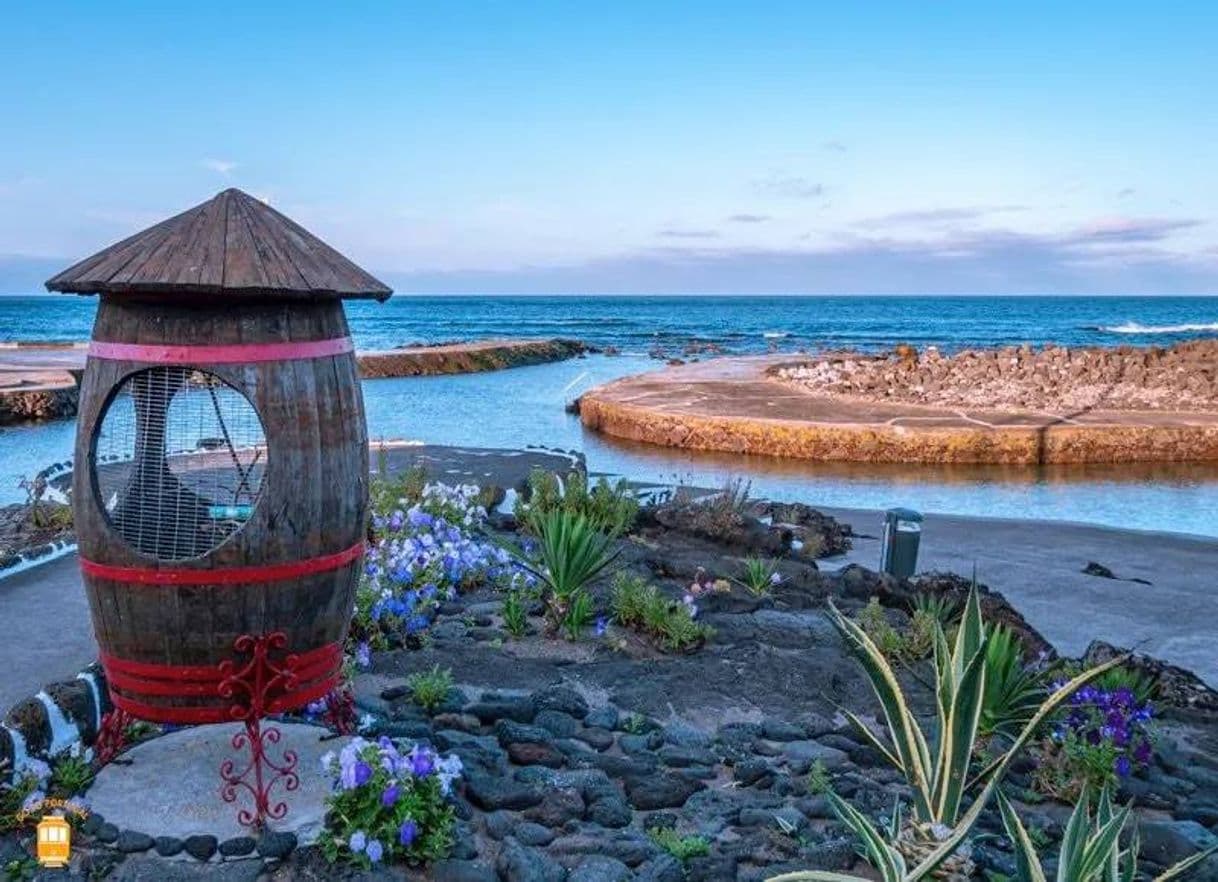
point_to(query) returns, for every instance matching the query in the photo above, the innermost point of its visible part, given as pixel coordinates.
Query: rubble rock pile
(1054, 378)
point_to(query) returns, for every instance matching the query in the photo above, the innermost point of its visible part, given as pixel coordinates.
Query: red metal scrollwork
(339, 714)
(111, 735)
(253, 687)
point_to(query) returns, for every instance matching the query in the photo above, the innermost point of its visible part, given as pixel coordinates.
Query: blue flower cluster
(1111, 726)
(389, 802)
(423, 555)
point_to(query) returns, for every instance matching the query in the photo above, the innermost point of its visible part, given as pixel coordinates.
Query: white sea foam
(775, 335)
(1136, 328)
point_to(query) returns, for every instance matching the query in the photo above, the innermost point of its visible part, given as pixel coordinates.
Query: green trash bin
(902, 534)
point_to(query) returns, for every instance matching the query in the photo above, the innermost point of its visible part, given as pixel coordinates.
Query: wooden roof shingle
(233, 244)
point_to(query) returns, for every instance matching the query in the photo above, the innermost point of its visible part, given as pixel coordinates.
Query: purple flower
(602, 625)
(363, 654)
(363, 773)
(421, 763)
(1123, 767)
(408, 832)
(358, 841)
(390, 795)
(375, 851)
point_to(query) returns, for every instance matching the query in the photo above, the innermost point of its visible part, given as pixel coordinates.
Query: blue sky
(637, 146)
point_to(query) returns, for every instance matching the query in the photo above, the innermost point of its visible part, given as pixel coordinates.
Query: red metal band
(318, 671)
(220, 713)
(231, 353)
(138, 675)
(230, 576)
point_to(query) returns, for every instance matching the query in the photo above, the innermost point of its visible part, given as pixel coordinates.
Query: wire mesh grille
(178, 460)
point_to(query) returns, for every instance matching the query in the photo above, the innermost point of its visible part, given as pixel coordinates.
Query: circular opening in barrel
(178, 461)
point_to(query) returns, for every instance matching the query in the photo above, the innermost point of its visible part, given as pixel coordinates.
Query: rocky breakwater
(1011, 406)
(464, 358)
(1183, 377)
(38, 381)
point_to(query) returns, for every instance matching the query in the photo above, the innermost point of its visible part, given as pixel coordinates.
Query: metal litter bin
(902, 533)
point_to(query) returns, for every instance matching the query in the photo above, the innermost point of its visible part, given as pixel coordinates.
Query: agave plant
(1090, 848)
(573, 553)
(938, 777)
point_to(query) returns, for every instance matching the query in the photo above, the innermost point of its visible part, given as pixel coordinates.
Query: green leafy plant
(612, 509)
(938, 770)
(1142, 686)
(429, 689)
(515, 614)
(943, 608)
(71, 775)
(1090, 849)
(389, 490)
(20, 869)
(578, 615)
(671, 623)
(1013, 690)
(913, 644)
(681, 847)
(634, 723)
(819, 782)
(759, 575)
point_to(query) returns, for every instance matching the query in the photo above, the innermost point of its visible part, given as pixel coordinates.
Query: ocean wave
(775, 335)
(1137, 328)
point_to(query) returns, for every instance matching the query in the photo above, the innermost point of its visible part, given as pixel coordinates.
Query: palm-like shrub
(1013, 690)
(573, 554)
(1090, 849)
(938, 771)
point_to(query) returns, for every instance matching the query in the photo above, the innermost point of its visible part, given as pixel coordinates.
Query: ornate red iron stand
(111, 735)
(253, 686)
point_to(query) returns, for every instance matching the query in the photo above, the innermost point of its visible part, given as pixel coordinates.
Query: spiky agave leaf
(909, 752)
(1179, 869)
(961, 701)
(880, 854)
(1027, 861)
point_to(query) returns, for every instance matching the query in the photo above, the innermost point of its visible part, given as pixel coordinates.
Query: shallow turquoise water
(524, 406)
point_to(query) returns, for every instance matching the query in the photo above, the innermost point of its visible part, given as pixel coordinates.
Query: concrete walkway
(1036, 564)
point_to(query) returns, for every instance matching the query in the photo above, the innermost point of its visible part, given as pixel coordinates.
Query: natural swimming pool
(525, 406)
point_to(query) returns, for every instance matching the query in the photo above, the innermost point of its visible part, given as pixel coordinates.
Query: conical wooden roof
(232, 244)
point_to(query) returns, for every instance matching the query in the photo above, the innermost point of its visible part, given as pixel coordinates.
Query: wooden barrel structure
(221, 477)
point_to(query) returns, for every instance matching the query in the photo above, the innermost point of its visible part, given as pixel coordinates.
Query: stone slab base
(170, 786)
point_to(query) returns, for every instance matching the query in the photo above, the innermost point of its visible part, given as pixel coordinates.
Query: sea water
(525, 406)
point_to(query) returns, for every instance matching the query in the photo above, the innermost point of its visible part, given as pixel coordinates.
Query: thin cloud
(936, 216)
(789, 186)
(1130, 229)
(748, 218)
(220, 166)
(834, 146)
(1103, 257)
(1125, 192)
(688, 234)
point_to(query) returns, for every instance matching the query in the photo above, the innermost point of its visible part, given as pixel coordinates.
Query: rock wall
(465, 358)
(1183, 377)
(19, 405)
